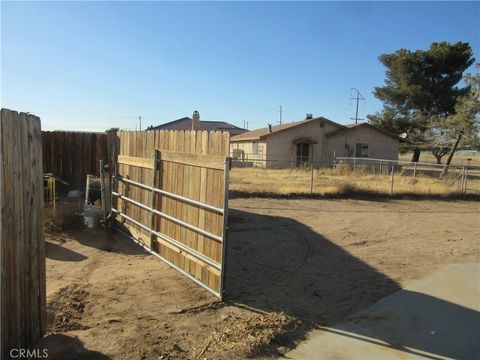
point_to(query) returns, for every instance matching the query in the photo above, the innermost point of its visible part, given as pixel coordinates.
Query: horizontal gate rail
(171, 241)
(211, 161)
(171, 195)
(170, 218)
(136, 161)
(215, 162)
(198, 282)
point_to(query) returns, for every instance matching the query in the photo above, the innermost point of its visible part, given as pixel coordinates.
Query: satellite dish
(403, 135)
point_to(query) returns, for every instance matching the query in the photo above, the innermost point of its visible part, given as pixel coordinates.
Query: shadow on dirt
(70, 224)
(279, 264)
(60, 253)
(65, 347)
(357, 194)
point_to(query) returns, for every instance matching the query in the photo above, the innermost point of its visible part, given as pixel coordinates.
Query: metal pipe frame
(180, 246)
(168, 217)
(102, 192)
(152, 215)
(228, 162)
(198, 282)
(87, 190)
(171, 195)
(171, 241)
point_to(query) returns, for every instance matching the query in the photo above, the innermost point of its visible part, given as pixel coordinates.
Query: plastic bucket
(91, 216)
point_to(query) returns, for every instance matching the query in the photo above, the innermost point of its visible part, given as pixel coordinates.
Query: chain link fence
(454, 177)
(286, 176)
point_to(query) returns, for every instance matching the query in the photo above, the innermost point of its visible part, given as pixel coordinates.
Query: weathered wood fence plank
(23, 301)
(72, 155)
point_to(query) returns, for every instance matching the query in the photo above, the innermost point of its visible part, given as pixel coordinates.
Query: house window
(238, 154)
(255, 148)
(303, 153)
(361, 150)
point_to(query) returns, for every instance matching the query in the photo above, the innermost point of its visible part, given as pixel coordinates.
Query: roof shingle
(186, 124)
(263, 132)
(353, 126)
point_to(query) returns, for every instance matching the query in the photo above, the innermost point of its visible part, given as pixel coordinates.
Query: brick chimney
(196, 120)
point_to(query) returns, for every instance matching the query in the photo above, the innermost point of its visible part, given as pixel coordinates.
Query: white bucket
(91, 216)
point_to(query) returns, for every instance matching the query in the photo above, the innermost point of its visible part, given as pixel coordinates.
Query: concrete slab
(437, 317)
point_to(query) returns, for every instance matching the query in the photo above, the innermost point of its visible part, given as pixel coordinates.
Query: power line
(358, 98)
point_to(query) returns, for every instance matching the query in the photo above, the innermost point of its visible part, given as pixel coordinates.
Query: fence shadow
(102, 239)
(64, 347)
(279, 264)
(108, 240)
(57, 252)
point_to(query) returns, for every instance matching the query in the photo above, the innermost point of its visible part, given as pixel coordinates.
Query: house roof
(262, 133)
(355, 126)
(185, 123)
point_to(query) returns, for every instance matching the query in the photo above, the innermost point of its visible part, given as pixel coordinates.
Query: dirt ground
(292, 264)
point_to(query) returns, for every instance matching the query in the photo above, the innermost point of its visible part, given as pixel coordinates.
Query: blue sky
(95, 65)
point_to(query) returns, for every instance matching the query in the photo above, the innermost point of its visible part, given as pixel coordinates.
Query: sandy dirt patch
(291, 264)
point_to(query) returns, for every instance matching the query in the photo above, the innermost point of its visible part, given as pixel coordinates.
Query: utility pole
(140, 119)
(280, 122)
(358, 98)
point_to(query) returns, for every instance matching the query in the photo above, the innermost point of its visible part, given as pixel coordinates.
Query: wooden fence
(171, 196)
(23, 292)
(72, 155)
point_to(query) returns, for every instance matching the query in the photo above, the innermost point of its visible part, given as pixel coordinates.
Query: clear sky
(96, 65)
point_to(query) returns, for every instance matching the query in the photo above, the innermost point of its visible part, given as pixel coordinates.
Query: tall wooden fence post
(23, 289)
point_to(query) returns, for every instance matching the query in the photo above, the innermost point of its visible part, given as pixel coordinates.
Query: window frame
(255, 147)
(361, 150)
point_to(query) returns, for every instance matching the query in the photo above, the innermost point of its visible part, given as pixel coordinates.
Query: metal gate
(175, 204)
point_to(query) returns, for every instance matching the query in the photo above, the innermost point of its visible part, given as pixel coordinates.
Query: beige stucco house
(314, 139)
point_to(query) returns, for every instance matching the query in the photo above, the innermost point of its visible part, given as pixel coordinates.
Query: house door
(303, 154)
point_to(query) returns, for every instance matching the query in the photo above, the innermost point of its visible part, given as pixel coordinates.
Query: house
(314, 139)
(194, 123)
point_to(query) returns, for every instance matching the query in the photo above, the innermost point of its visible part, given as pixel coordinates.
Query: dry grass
(339, 181)
(426, 156)
(254, 336)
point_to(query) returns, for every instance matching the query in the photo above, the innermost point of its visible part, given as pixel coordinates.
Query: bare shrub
(342, 169)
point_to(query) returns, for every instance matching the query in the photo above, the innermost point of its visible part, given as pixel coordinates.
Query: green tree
(465, 123)
(421, 88)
